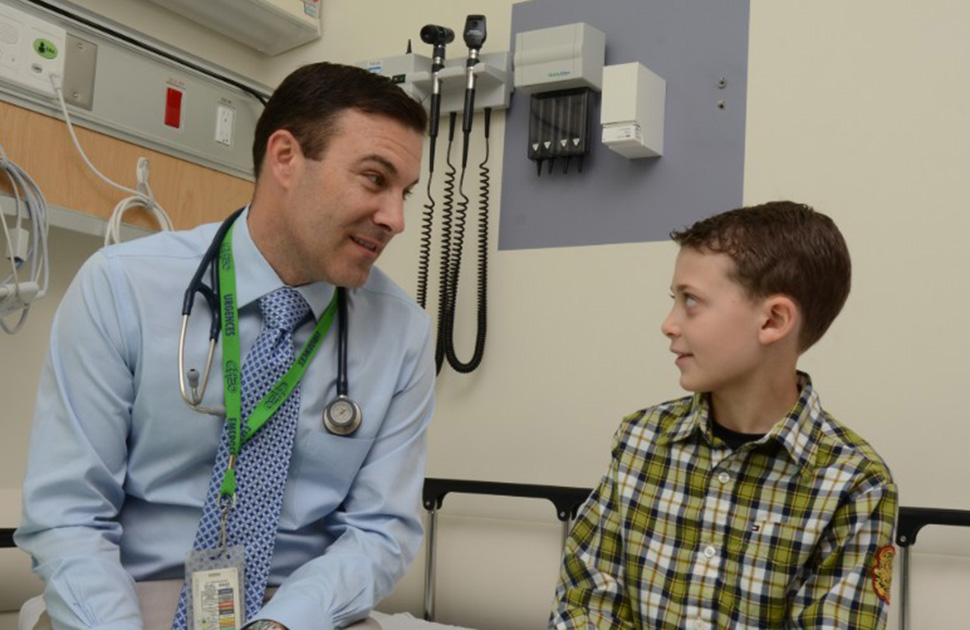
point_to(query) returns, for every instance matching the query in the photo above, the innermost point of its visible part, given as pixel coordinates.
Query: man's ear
(283, 160)
(781, 320)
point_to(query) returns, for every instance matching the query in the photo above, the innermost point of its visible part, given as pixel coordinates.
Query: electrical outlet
(31, 50)
(224, 121)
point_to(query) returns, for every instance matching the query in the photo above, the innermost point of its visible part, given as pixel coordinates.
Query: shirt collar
(256, 277)
(797, 432)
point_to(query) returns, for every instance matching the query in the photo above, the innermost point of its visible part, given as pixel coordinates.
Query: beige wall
(858, 108)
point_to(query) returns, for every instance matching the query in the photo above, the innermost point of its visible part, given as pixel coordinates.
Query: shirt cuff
(294, 614)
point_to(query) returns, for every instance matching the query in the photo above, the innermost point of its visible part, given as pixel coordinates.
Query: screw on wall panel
(721, 104)
(722, 83)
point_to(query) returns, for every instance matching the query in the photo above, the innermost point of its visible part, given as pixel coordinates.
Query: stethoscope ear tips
(342, 416)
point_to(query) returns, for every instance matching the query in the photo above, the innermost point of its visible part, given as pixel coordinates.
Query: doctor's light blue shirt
(119, 466)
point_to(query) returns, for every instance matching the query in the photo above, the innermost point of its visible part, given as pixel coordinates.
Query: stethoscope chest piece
(342, 416)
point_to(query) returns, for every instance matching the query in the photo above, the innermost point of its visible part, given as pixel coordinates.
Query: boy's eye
(689, 300)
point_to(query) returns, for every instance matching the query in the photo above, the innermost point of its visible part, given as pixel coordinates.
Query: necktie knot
(283, 308)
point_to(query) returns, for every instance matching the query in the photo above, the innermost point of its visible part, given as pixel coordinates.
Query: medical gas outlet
(632, 111)
(31, 50)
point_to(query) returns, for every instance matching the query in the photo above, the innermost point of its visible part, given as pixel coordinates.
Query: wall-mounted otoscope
(438, 37)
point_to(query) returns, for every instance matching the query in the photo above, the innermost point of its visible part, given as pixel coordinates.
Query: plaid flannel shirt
(792, 531)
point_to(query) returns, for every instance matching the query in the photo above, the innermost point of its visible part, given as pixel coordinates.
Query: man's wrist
(264, 624)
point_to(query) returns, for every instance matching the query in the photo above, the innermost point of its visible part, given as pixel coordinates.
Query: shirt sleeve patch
(882, 571)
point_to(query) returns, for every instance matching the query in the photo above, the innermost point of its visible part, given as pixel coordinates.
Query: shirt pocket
(322, 471)
(332, 458)
(773, 551)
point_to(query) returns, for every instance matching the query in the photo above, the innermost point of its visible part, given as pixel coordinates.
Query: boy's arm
(591, 591)
(848, 584)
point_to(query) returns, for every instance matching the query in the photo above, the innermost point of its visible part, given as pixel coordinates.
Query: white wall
(860, 109)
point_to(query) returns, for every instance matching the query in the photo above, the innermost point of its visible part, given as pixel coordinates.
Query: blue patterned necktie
(264, 461)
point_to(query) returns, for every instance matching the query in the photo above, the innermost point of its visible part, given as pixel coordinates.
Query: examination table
(567, 501)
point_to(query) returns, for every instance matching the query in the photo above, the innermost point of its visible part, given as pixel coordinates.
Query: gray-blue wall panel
(692, 45)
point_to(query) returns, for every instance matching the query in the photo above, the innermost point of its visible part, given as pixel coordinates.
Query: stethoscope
(342, 416)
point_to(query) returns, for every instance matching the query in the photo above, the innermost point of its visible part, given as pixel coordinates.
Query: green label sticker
(45, 48)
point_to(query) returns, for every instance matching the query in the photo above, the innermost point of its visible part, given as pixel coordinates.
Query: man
(120, 471)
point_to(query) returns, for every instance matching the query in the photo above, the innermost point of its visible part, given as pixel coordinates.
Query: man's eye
(375, 178)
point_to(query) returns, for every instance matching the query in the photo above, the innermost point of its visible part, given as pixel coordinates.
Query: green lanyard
(231, 374)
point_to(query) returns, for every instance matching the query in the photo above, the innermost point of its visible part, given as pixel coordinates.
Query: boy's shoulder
(821, 442)
(838, 446)
(665, 420)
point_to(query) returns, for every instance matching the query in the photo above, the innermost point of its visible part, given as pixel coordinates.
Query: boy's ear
(781, 320)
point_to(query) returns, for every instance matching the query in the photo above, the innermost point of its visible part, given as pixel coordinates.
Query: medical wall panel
(701, 50)
(138, 89)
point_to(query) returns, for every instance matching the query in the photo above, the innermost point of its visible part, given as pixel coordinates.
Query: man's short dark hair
(309, 100)
(784, 248)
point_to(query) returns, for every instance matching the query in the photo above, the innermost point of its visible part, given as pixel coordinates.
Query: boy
(745, 505)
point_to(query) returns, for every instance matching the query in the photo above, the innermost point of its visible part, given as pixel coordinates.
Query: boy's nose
(668, 327)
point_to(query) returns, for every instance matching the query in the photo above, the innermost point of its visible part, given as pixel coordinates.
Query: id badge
(215, 588)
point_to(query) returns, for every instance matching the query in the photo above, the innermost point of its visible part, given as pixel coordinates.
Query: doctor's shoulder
(383, 293)
(178, 244)
(116, 273)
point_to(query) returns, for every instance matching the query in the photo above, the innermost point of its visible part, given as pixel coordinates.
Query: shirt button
(709, 552)
(724, 477)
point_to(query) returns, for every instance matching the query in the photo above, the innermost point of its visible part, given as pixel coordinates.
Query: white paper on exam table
(406, 621)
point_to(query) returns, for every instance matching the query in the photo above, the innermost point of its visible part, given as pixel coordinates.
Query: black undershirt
(733, 438)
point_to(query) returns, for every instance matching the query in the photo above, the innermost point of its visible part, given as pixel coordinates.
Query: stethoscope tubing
(342, 382)
(211, 295)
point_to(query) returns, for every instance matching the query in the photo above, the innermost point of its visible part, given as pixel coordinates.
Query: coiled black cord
(424, 254)
(446, 249)
(455, 267)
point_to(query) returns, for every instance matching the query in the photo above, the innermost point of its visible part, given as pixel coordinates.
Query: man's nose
(391, 215)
